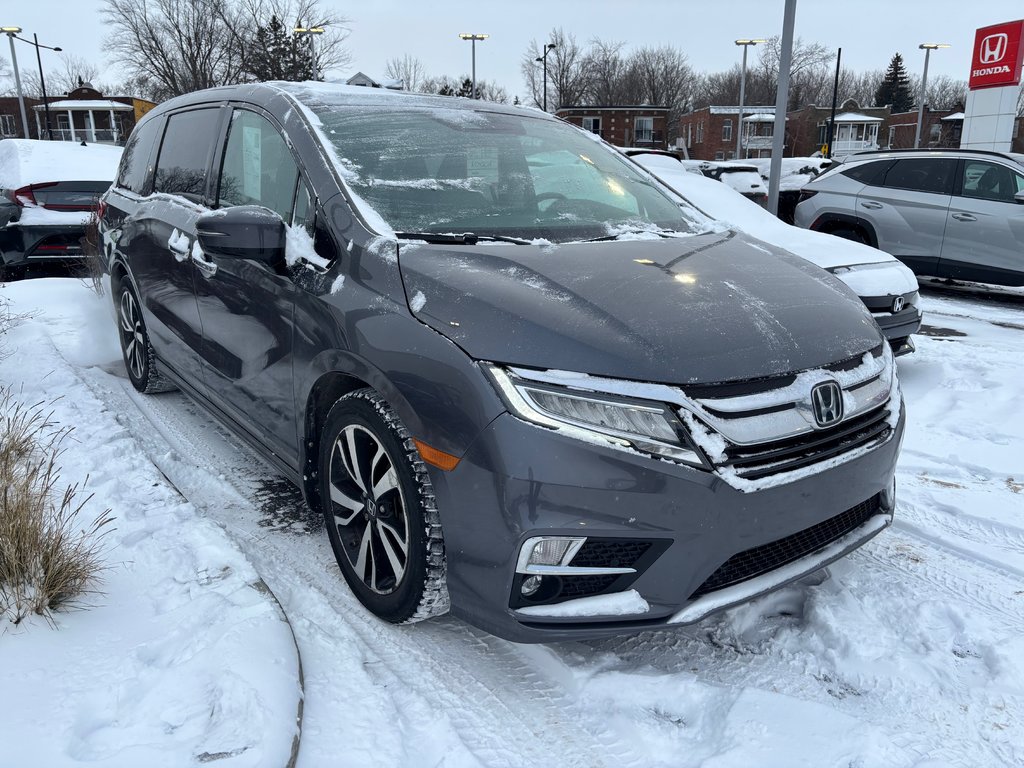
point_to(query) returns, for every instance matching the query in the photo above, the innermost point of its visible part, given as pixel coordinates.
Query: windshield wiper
(466, 238)
(663, 233)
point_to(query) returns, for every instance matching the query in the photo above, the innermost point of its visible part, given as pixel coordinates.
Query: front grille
(610, 553)
(767, 557)
(764, 459)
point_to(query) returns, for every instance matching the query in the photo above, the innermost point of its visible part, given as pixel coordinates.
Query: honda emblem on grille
(993, 48)
(897, 304)
(827, 403)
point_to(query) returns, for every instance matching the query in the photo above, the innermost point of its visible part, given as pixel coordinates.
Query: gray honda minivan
(518, 381)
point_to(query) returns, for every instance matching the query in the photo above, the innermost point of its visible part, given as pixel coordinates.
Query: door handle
(208, 268)
(871, 204)
(964, 217)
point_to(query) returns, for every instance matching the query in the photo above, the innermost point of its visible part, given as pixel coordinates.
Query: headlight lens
(645, 426)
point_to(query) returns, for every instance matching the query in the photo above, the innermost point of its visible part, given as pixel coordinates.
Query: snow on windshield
(425, 166)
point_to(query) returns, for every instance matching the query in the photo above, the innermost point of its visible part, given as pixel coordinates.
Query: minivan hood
(701, 309)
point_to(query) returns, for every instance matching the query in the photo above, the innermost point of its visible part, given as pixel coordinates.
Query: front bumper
(518, 481)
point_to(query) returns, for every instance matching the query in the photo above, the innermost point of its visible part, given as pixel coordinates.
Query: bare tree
(662, 77)
(73, 72)
(463, 86)
(408, 69)
(606, 68)
(567, 70)
(170, 47)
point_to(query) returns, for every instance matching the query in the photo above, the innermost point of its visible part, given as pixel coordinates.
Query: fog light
(548, 551)
(531, 585)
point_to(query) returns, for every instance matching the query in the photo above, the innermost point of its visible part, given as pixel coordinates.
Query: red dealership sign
(998, 55)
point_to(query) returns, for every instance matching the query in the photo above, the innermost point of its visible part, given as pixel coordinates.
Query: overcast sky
(868, 31)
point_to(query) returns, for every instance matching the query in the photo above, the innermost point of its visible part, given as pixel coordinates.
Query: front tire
(139, 358)
(380, 511)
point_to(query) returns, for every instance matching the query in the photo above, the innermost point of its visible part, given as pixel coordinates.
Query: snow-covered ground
(911, 654)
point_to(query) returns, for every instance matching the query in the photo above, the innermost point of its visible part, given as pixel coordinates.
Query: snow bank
(182, 658)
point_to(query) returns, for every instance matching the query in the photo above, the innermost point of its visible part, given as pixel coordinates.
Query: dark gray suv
(951, 213)
(516, 378)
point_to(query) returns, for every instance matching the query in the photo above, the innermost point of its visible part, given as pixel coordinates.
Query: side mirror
(243, 232)
(1019, 198)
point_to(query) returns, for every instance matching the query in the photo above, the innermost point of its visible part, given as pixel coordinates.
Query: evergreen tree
(466, 90)
(895, 87)
(277, 54)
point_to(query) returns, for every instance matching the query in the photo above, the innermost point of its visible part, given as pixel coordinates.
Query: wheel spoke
(364, 551)
(354, 506)
(351, 458)
(387, 483)
(126, 324)
(397, 563)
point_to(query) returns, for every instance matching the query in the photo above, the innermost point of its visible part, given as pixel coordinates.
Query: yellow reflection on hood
(686, 279)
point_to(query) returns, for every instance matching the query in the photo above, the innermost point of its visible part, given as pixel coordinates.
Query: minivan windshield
(438, 170)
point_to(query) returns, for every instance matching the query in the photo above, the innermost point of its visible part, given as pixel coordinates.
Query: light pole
(746, 43)
(11, 32)
(42, 85)
(317, 29)
(927, 48)
(544, 60)
(781, 101)
(473, 37)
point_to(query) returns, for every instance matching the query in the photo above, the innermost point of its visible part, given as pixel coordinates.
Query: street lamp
(746, 43)
(473, 37)
(11, 32)
(544, 60)
(42, 81)
(317, 29)
(927, 48)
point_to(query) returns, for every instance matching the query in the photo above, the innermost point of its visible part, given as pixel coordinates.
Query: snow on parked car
(48, 190)
(887, 287)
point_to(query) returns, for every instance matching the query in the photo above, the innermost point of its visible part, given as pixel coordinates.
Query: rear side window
(867, 173)
(922, 174)
(258, 166)
(185, 153)
(135, 162)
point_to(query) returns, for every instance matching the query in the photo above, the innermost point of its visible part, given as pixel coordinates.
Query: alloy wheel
(369, 510)
(132, 337)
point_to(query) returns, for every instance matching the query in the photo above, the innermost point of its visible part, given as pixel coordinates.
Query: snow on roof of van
(31, 161)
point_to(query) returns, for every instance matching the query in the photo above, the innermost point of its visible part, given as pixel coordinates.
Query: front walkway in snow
(911, 654)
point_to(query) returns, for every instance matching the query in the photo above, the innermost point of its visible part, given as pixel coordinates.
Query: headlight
(645, 426)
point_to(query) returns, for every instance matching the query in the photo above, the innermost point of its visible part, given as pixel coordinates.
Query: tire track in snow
(499, 707)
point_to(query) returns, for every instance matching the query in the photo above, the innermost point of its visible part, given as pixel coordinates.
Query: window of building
(184, 156)
(7, 125)
(700, 131)
(719, 155)
(730, 155)
(727, 130)
(933, 133)
(892, 135)
(644, 129)
(592, 124)
(258, 166)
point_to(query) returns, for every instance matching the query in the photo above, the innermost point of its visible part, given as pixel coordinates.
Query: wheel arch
(830, 222)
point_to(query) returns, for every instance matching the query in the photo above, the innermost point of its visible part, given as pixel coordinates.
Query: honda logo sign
(998, 55)
(993, 48)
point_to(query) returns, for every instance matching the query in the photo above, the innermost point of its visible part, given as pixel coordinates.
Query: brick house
(710, 133)
(624, 126)
(10, 118)
(939, 128)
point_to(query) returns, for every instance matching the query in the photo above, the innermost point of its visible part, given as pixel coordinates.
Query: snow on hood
(887, 276)
(30, 161)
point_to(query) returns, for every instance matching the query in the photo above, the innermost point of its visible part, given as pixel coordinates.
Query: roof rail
(928, 149)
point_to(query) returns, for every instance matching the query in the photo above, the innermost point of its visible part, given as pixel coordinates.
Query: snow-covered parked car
(48, 191)
(796, 171)
(519, 379)
(887, 287)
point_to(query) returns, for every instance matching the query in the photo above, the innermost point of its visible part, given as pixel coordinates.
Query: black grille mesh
(581, 586)
(610, 553)
(757, 560)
